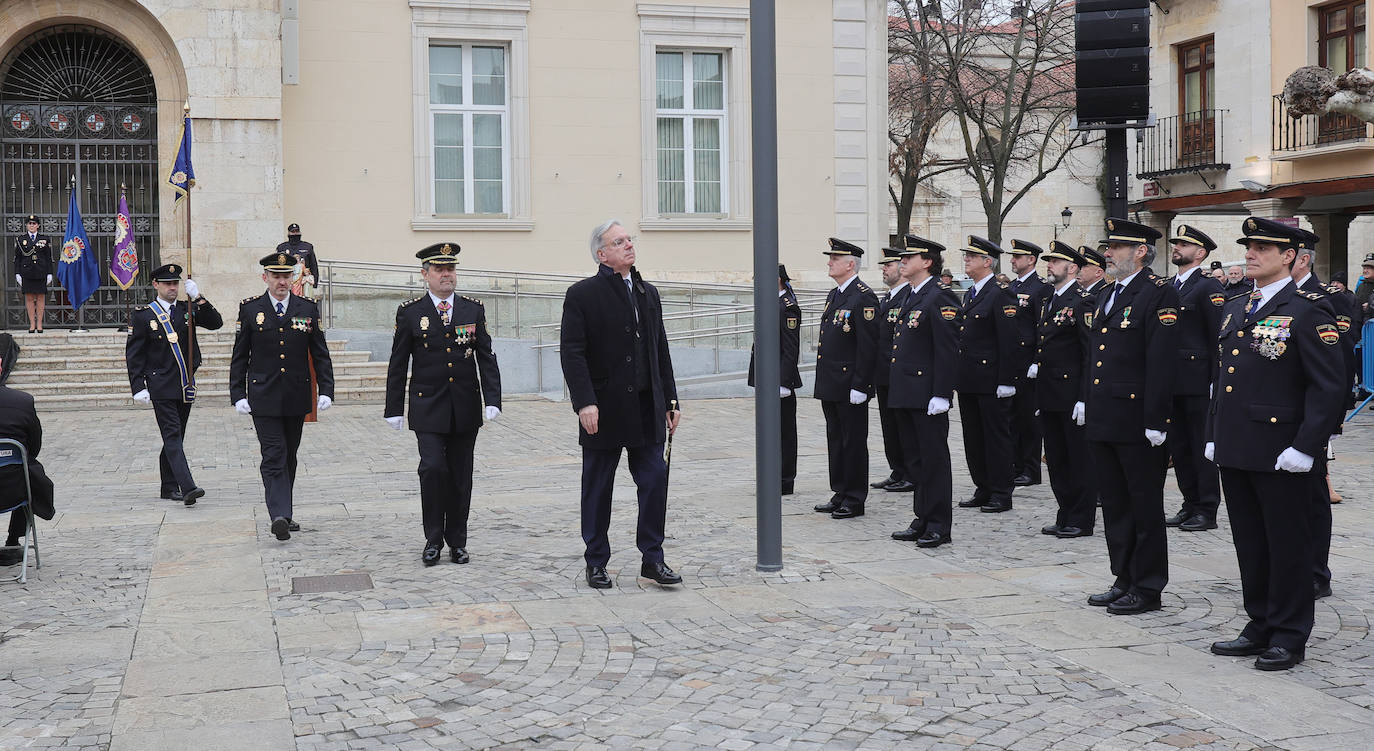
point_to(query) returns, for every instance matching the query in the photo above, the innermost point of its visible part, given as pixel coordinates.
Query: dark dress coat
(789, 341)
(19, 421)
(304, 251)
(1030, 297)
(923, 357)
(148, 355)
(270, 365)
(988, 337)
(1128, 384)
(848, 343)
(33, 262)
(889, 308)
(1061, 344)
(1200, 303)
(446, 395)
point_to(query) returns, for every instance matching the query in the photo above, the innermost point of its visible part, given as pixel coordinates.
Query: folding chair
(12, 453)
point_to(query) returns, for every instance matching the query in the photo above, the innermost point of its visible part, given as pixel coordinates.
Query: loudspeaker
(1110, 29)
(1119, 67)
(1113, 103)
(1093, 6)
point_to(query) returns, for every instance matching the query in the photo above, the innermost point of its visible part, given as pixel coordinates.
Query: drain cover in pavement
(309, 585)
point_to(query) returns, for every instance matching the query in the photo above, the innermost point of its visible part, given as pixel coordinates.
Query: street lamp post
(1065, 217)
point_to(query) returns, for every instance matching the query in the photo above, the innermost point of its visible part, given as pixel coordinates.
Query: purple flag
(124, 259)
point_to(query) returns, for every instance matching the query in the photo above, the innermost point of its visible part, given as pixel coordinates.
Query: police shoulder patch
(1217, 298)
(869, 313)
(1003, 285)
(1328, 333)
(792, 322)
(1168, 316)
(1009, 311)
(1343, 323)
(948, 312)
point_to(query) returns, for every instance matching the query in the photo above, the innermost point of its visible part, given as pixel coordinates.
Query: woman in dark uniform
(33, 271)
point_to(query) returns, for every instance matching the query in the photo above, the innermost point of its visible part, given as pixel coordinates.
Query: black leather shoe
(281, 528)
(1197, 523)
(911, 533)
(826, 508)
(995, 508)
(973, 503)
(1068, 532)
(191, 495)
(11, 556)
(597, 578)
(1321, 590)
(659, 572)
(847, 512)
(1023, 480)
(458, 555)
(1132, 603)
(431, 554)
(901, 486)
(1050, 529)
(787, 489)
(1238, 647)
(171, 495)
(292, 525)
(1103, 599)
(931, 540)
(1279, 658)
(883, 483)
(1177, 519)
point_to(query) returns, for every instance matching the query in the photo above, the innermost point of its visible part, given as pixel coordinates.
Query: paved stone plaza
(156, 626)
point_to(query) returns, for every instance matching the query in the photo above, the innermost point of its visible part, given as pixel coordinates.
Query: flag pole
(190, 254)
(128, 296)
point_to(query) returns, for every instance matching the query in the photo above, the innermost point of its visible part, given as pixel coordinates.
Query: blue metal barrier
(1365, 351)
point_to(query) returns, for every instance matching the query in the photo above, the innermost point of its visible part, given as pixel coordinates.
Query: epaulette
(1237, 297)
(942, 285)
(1002, 284)
(471, 299)
(859, 283)
(1082, 293)
(1159, 281)
(409, 302)
(247, 300)
(1313, 296)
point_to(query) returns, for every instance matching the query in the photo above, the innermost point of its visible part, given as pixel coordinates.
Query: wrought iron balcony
(1181, 144)
(1315, 131)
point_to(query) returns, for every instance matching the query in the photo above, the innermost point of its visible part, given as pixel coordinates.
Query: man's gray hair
(1309, 252)
(1149, 259)
(602, 229)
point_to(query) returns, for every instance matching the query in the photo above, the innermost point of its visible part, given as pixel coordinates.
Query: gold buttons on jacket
(282, 356)
(1273, 419)
(1099, 363)
(1228, 389)
(283, 370)
(1101, 346)
(1235, 352)
(1096, 381)
(1104, 329)
(450, 379)
(1241, 334)
(1231, 369)
(450, 365)
(1132, 396)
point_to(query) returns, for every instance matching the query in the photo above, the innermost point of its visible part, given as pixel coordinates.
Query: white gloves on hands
(324, 403)
(784, 392)
(19, 280)
(1033, 370)
(192, 289)
(857, 397)
(49, 278)
(1005, 391)
(395, 422)
(1210, 451)
(142, 397)
(241, 406)
(1079, 413)
(1155, 437)
(938, 405)
(491, 413)
(1293, 460)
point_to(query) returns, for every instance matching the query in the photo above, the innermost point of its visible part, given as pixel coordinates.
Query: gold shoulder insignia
(1313, 296)
(942, 285)
(247, 300)
(1004, 285)
(471, 299)
(412, 301)
(1160, 281)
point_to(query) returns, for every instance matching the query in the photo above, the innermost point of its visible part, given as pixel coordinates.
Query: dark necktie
(972, 295)
(1117, 289)
(1178, 283)
(281, 309)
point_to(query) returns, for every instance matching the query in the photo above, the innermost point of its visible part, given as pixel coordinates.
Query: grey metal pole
(767, 370)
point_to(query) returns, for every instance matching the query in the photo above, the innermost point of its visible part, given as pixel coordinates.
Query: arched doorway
(76, 102)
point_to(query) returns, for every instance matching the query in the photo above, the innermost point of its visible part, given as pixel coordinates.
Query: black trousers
(1274, 550)
(925, 444)
(1130, 480)
(1197, 476)
(650, 474)
(1025, 431)
(19, 524)
(987, 445)
(278, 439)
(892, 443)
(1319, 524)
(789, 442)
(446, 485)
(172, 415)
(1066, 450)
(846, 441)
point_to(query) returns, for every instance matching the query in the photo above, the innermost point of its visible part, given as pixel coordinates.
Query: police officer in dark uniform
(988, 362)
(1132, 356)
(889, 304)
(1279, 390)
(162, 364)
(276, 338)
(1058, 373)
(33, 270)
(1031, 292)
(1092, 275)
(302, 250)
(789, 341)
(845, 357)
(454, 386)
(1200, 299)
(922, 365)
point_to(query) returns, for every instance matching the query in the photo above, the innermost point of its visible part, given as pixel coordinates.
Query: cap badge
(281, 259)
(1111, 226)
(1249, 225)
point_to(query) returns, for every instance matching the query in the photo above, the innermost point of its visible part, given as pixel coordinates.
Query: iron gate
(79, 109)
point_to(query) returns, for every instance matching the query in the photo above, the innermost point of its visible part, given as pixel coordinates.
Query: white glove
(938, 405)
(1154, 437)
(49, 278)
(18, 280)
(857, 397)
(1293, 460)
(1210, 386)
(1005, 391)
(395, 422)
(1210, 451)
(1033, 370)
(1079, 413)
(241, 406)
(142, 397)
(784, 392)
(1333, 438)
(324, 402)
(491, 413)
(192, 289)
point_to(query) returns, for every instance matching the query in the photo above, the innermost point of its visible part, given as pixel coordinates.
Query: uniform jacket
(304, 251)
(1200, 303)
(846, 352)
(33, 258)
(1280, 382)
(19, 421)
(923, 358)
(597, 349)
(1128, 383)
(1096, 288)
(1030, 297)
(446, 394)
(988, 337)
(789, 340)
(270, 366)
(888, 310)
(1061, 343)
(1342, 307)
(148, 354)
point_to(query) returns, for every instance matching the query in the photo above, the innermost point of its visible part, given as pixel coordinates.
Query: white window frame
(495, 23)
(466, 110)
(690, 113)
(667, 27)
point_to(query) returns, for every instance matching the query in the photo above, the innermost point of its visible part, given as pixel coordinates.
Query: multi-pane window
(469, 124)
(691, 123)
(1197, 65)
(1341, 37)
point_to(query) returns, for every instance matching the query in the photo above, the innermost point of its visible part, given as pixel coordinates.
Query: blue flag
(77, 267)
(183, 175)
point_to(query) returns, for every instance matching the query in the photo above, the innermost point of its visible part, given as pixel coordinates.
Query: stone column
(1333, 252)
(1272, 208)
(1161, 221)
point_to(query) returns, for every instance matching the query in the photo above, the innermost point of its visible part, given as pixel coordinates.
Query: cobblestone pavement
(156, 626)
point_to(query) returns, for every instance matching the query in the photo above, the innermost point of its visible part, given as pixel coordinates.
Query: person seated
(19, 421)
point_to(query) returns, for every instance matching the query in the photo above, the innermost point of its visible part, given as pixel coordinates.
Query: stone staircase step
(89, 349)
(110, 360)
(26, 380)
(212, 399)
(341, 381)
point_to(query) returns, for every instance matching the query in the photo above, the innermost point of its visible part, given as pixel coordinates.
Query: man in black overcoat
(19, 421)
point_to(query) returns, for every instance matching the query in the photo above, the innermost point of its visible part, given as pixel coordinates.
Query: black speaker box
(1093, 6)
(1110, 29)
(1119, 67)
(1113, 103)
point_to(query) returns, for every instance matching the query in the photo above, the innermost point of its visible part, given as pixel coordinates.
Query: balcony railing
(1181, 144)
(1315, 131)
